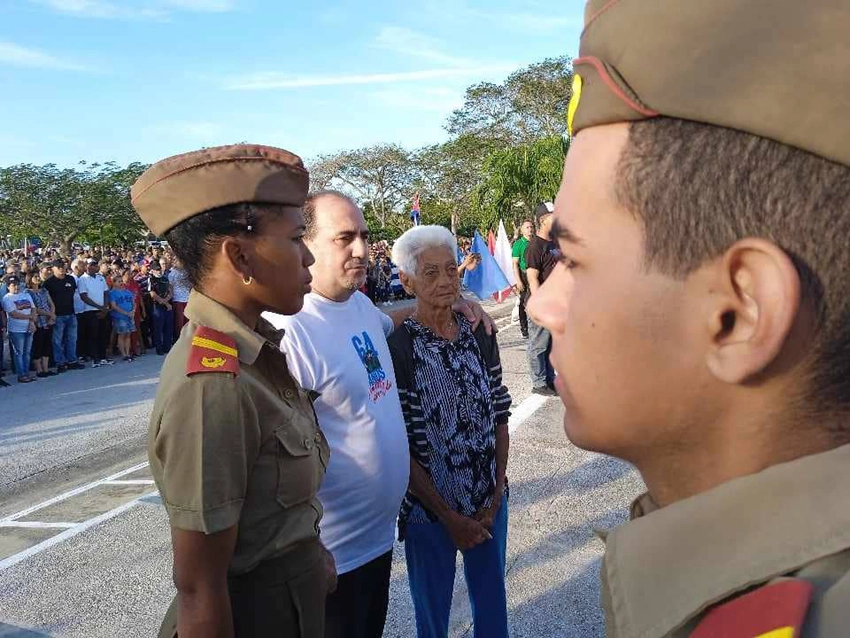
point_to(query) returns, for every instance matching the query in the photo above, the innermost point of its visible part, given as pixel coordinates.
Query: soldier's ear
(234, 252)
(754, 307)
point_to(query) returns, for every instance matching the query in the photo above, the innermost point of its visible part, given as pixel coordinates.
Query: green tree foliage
(63, 205)
(516, 179)
(381, 176)
(531, 103)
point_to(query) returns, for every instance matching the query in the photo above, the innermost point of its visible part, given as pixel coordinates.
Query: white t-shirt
(80, 306)
(96, 288)
(340, 350)
(180, 285)
(21, 303)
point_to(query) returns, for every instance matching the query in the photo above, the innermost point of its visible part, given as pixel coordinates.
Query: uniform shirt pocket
(300, 462)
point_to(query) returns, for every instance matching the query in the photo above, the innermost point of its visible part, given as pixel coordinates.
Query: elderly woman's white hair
(413, 242)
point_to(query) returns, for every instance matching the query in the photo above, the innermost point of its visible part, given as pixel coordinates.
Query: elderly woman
(456, 410)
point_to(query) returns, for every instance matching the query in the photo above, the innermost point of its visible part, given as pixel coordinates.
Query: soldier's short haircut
(696, 189)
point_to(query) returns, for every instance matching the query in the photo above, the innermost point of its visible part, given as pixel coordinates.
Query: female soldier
(233, 445)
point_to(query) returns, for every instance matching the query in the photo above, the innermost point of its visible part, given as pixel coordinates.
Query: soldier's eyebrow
(563, 232)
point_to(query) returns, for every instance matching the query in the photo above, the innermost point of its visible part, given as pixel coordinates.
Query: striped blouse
(452, 398)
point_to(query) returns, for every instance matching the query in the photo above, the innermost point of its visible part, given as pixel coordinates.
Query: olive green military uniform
(233, 439)
(240, 449)
(766, 555)
(665, 568)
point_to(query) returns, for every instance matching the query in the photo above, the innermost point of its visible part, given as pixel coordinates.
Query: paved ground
(84, 544)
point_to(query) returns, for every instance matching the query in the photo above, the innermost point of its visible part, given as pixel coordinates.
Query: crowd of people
(64, 313)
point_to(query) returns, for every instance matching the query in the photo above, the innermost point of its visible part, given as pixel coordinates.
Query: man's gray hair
(410, 245)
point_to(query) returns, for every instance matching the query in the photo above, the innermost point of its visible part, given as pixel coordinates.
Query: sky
(139, 80)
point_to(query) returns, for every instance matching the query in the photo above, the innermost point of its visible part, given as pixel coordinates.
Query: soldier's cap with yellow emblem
(177, 188)
(779, 69)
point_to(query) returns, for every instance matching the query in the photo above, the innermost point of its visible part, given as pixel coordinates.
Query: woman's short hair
(195, 239)
(413, 242)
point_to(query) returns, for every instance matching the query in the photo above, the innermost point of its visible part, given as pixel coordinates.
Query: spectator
(142, 278)
(181, 288)
(3, 382)
(137, 342)
(21, 319)
(62, 289)
(163, 316)
(42, 341)
(541, 257)
(336, 346)
(93, 290)
(123, 304)
(456, 410)
(520, 267)
(78, 269)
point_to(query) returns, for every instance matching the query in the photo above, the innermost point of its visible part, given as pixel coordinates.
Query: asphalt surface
(104, 569)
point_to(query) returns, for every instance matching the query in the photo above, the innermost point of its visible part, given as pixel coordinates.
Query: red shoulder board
(212, 351)
(772, 611)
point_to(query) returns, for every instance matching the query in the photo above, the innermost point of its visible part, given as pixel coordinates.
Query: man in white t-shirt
(93, 289)
(337, 347)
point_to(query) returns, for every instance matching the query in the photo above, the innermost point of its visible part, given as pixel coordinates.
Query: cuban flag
(487, 279)
(415, 216)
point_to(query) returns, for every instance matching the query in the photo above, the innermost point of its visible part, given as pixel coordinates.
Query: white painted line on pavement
(131, 482)
(524, 410)
(69, 533)
(37, 524)
(74, 492)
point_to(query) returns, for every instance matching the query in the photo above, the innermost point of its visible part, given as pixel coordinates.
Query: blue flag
(487, 279)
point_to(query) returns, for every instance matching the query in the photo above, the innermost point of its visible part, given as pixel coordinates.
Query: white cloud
(418, 45)
(16, 55)
(140, 10)
(266, 81)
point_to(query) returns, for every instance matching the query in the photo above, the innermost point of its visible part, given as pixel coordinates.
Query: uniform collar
(205, 311)
(666, 566)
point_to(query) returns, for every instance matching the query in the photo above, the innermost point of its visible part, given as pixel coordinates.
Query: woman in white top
(181, 287)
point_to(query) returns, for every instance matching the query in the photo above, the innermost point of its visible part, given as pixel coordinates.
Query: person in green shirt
(521, 286)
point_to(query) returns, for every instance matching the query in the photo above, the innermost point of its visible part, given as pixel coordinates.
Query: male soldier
(701, 311)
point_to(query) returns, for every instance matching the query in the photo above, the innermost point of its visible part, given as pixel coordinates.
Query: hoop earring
(247, 280)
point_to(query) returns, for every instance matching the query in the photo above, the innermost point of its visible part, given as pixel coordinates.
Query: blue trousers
(539, 347)
(65, 340)
(21, 350)
(163, 328)
(431, 556)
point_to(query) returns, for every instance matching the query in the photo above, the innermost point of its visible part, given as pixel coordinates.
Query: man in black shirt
(541, 257)
(163, 314)
(62, 289)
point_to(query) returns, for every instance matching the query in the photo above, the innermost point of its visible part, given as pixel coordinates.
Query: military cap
(779, 69)
(177, 188)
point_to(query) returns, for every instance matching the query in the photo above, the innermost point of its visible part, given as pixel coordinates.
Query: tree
(380, 176)
(517, 179)
(447, 176)
(63, 205)
(531, 103)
